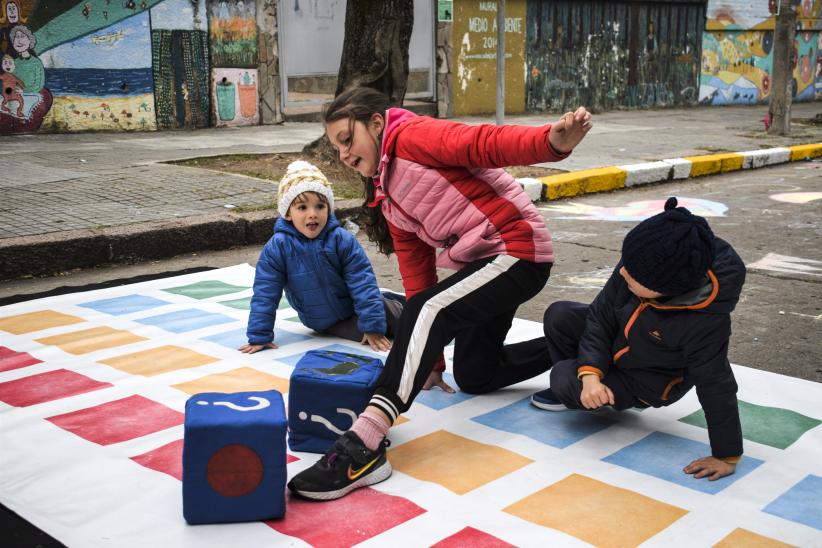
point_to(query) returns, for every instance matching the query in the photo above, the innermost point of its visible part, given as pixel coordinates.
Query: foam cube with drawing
(327, 391)
(234, 459)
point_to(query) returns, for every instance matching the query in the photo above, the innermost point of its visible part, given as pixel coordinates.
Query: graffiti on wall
(233, 33)
(737, 52)
(475, 53)
(235, 97)
(103, 81)
(180, 62)
(611, 54)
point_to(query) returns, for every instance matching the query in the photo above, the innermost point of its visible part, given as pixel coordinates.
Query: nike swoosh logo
(354, 474)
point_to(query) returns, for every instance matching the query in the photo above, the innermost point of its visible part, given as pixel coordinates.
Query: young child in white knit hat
(322, 269)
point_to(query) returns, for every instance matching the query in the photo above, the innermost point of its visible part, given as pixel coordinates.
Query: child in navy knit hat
(659, 327)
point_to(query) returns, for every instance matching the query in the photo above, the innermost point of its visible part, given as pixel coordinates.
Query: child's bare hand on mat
(251, 348)
(569, 130)
(710, 467)
(594, 393)
(377, 342)
(435, 379)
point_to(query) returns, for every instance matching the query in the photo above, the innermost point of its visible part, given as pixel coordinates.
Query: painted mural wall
(180, 64)
(78, 65)
(737, 52)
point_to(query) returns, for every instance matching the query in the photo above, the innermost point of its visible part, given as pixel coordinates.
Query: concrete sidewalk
(77, 200)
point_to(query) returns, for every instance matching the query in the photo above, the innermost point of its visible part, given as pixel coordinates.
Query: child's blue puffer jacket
(326, 280)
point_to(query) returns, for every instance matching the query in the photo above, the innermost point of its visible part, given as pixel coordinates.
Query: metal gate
(609, 54)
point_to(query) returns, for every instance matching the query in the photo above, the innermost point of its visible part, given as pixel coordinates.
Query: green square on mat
(245, 303)
(767, 425)
(206, 289)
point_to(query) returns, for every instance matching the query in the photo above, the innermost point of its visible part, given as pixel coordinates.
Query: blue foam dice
(326, 393)
(234, 459)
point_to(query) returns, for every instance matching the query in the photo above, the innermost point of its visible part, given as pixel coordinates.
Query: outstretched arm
(444, 143)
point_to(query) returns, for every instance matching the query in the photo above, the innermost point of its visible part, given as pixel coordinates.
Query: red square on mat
(471, 538)
(11, 359)
(363, 514)
(49, 386)
(119, 420)
(167, 459)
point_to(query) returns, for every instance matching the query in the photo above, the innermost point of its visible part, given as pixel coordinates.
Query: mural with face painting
(737, 56)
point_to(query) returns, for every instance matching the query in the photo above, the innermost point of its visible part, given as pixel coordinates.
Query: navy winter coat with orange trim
(668, 346)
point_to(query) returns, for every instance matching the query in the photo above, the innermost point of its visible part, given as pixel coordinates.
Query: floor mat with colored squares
(93, 387)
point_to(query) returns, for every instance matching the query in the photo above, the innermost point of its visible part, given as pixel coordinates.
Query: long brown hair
(20, 19)
(359, 104)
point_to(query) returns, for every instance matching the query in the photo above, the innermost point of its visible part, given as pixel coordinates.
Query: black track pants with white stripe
(475, 307)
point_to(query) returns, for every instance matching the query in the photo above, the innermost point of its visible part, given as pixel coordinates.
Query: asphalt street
(772, 216)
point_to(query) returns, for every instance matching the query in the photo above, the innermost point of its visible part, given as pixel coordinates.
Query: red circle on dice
(234, 470)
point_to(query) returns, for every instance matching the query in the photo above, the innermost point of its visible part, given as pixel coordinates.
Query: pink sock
(371, 429)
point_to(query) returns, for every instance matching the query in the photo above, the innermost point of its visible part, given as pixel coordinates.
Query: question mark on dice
(325, 422)
(262, 403)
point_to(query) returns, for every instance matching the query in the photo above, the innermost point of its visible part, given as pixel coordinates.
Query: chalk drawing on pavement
(797, 197)
(788, 265)
(634, 211)
(592, 279)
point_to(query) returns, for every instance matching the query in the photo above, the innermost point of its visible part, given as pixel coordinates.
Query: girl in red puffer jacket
(436, 184)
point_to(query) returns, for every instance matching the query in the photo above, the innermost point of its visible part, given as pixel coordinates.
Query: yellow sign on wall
(475, 56)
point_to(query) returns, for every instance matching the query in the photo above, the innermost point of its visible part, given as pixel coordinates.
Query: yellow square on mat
(91, 340)
(157, 361)
(244, 379)
(36, 321)
(596, 512)
(743, 537)
(456, 463)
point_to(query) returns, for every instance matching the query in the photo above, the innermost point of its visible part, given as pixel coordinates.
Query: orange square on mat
(244, 379)
(91, 340)
(575, 504)
(36, 321)
(743, 537)
(156, 361)
(457, 463)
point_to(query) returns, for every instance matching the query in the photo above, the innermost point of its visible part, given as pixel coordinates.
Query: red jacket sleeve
(418, 268)
(443, 143)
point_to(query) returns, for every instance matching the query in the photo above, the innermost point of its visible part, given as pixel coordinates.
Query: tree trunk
(779, 111)
(375, 54)
(375, 49)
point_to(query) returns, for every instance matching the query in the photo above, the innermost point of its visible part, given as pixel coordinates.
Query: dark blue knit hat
(671, 252)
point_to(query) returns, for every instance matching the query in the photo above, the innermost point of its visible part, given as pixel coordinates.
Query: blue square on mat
(664, 456)
(801, 503)
(440, 399)
(186, 320)
(557, 429)
(124, 305)
(361, 349)
(237, 337)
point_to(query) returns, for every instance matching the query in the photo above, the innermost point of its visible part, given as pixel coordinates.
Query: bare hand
(569, 130)
(710, 467)
(594, 393)
(252, 348)
(376, 341)
(435, 379)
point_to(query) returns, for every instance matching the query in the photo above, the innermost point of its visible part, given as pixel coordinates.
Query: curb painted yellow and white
(603, 179)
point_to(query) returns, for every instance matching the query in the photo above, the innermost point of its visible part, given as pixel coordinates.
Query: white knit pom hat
(300, 177)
